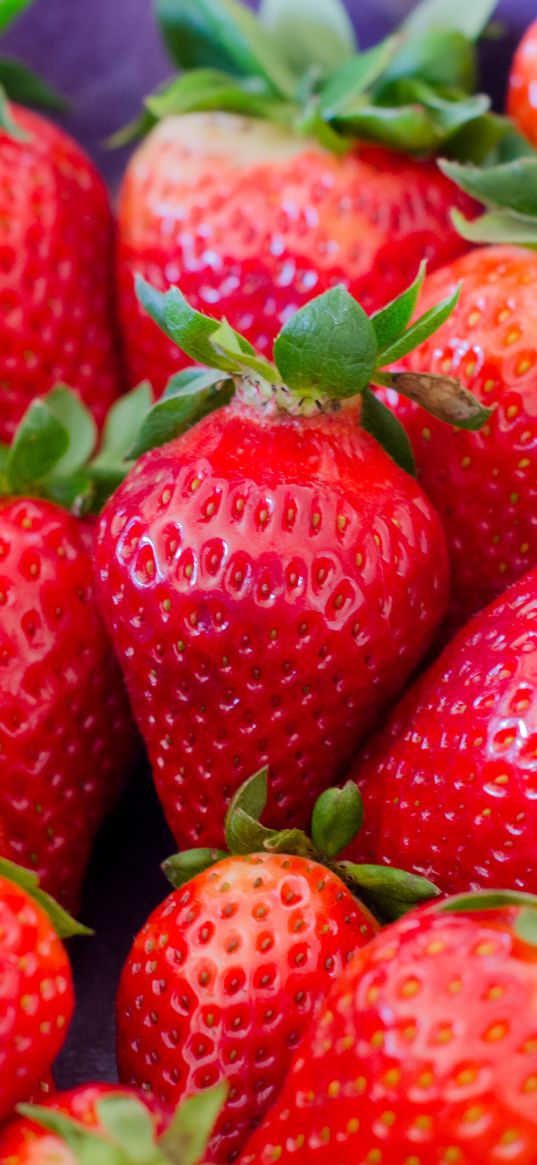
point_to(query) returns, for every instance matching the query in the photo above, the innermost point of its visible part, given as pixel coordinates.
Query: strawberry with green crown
(223, 980)
(271, 576)
(282, 162)
(425, 1050)
(57, 314)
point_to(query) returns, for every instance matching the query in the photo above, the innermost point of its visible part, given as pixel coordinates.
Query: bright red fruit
(254, 222)
(522, 95)
(425, 1051)
(224, 978)
(483, 484)
(36, 995)
(450, 786)
(66, 736)
(56, 282)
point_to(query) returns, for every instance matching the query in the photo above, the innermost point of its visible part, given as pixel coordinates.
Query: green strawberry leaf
(246, 835)
(64, 925)
(419, 331)
(497, 227)
(186, 1140)
(511, 186)
(328, 348)
(337, 817)
(23, 85)
(7, 121)
(182, 867)
(392, 320)
(206, 89)
(123, 424)
(477, 900)
(228, 343)
(39, 444)
(443, 396)
(391, 892)
(190, 396)
(251, 797)
(80, 425)
(189, 329)
(347, 84)
(418, 120)
(526, 925)
(137, 128)
(379, 420)
(310, 34)
(128, 1125)
(443, 58)
(470, 17)
(10, 9)
(223, 35)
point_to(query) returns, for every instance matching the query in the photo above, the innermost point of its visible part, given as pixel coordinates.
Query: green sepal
(182, 867)
(444, 397)
(190, 396)
(419, 331)
(417, 119)
(497, 226)
(441, 57)
(526, 925)
(186, 1140)
(328, 348)
(234, 347)
(64, 925)
(208, 89)
(122, 426)
(10, 9)
(310, 34)
(390, 892)
(21, 84)
(346, 84)
(469, 17)
(244, 812)
(382, 423)
(7, 121)
(509, 186)
(337, 817)
(392, 320)
(40, 441)
(477, 900)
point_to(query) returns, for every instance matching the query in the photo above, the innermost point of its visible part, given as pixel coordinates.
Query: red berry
(522, 96)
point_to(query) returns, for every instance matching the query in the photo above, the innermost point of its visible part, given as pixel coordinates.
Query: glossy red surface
(450, 788)
(268, 584)
(425, 1051)
(253, 243)
(483, 485)
(56, 287)
(224, 978)
(522, 93)
(66, 734)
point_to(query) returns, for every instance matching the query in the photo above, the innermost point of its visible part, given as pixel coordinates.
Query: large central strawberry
(271, 577)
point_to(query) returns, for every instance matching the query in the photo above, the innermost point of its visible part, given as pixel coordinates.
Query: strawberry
(66, 734)
(109, 1125)
(271, 577)
(483, 484)
(36, 991)
(449, 787)
(521, 103)
(251, 189)
(223, 980)
(425, 1051)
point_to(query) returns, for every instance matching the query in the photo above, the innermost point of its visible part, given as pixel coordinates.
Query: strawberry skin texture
(425, 1053)
(56, 273)
(521, 97)
(224, 978)
(66, 734)
(268, 583)
(484, 484)
(36, 995)
(252, 223)
(450, 787)
(23, 1142)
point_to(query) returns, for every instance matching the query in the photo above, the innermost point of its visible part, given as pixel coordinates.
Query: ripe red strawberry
(66, 733)
(425, 1051)
(272, 577)
(36, 992)
(249, 192)
(56, 284)
(450, 786)
(107, 1124)
(522, 95)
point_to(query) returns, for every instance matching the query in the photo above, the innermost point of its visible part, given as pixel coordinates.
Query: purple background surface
(105, 55)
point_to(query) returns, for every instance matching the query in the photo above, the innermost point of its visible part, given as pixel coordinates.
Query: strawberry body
(36, 995)
(483, 484)
(521, 102)
(450, 786)
(66, 737)
(23, 1142)
(425, 1050)
(224, 978)
(259, 576)
(253, 222)
(56, 282)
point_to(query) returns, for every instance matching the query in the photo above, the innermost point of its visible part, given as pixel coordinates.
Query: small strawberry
(521, 99)
(36, 991)
(66, 734)
(271, 577)
(108, 1125)
(267, 180)
(57, 315)
(450, 786)
(223, 980)
(425, 1051)
(484, 485)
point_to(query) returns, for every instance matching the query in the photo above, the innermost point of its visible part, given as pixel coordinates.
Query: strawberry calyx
(299, 64)
(508, 190)
(337, 818)
(525, 923)
(64, 925)
(18, 82)
(324, 359)
(126, 1132)
(56, 452)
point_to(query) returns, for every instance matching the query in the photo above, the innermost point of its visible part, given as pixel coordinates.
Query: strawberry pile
(296, 565)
